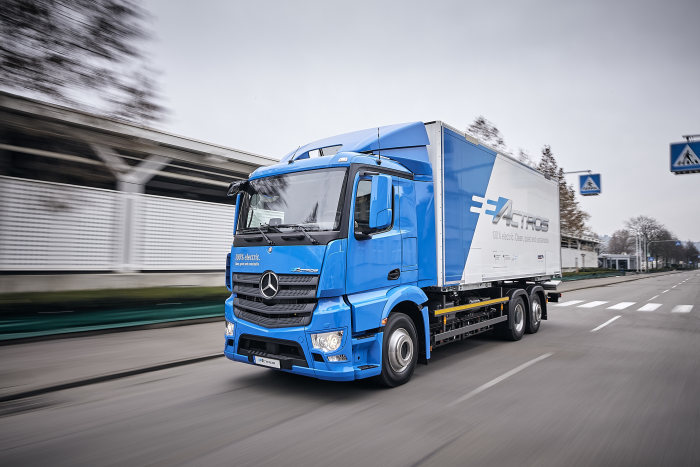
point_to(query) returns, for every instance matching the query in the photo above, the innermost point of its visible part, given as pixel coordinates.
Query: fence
(57, 227)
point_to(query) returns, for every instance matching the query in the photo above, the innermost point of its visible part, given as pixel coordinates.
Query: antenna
(291, 159)
(379, 148)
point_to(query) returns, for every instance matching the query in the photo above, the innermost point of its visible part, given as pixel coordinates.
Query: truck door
(374, 256)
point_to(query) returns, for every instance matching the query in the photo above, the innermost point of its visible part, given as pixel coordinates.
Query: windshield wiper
(302, 230)
(269, 242)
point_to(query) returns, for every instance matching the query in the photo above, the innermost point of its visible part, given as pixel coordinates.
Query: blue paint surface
(467, 171)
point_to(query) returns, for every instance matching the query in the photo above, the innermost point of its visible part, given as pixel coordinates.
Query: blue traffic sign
(589, 184)
(685, 157)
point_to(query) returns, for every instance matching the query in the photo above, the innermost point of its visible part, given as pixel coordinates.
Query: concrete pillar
(131, 183)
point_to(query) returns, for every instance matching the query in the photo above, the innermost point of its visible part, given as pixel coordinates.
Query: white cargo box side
(496, 218)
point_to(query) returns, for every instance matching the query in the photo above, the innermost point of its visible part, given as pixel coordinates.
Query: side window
(362, 199)
(364, 192)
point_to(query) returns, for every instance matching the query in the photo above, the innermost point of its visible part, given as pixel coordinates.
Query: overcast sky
(608, 84)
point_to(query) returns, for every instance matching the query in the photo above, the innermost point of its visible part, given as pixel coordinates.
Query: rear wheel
(514, 328)
(399, 350)
(535, 317)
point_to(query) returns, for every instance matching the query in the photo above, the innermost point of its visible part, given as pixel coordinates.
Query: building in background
(621, 262)
(579, 252)
(83, 197)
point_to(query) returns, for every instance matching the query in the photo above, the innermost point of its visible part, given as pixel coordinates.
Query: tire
(514, 328)
(534, 318)
(399, 351)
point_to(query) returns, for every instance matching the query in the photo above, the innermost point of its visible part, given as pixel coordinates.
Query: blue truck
(357, 255)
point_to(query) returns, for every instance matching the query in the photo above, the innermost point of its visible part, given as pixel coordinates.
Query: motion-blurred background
(104, 221)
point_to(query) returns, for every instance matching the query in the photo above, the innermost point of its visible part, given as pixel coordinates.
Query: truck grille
(292, 306)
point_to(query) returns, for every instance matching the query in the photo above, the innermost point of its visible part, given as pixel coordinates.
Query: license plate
(269, 362)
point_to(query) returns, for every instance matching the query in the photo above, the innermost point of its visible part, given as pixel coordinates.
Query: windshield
(310, 199)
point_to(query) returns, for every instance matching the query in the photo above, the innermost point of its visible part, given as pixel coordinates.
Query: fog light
(337, 358)
(229, 328)
(327, 341)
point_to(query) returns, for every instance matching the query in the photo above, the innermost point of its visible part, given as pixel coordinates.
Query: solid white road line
(682, 309)
(650, 307)
(495, 381)
(652, 298)
(621, 305)
(606, 323)
(592, 304)
(569, 303)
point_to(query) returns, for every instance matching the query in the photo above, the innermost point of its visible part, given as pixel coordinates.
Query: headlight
(327, 341)
(229, 328)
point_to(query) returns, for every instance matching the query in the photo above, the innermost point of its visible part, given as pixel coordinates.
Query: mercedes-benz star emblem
(269, 284)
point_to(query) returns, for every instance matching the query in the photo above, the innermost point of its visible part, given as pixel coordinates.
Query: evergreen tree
(83, 53)
(572, 217)
(487, 133)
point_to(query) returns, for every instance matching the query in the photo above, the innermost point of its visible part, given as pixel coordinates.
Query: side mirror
(236, 187)
(380, 202)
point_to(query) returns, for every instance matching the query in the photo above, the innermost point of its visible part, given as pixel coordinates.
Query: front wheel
(399, 350)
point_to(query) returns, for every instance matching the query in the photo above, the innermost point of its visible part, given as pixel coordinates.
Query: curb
(108, 329)
(633, 278)
(108, 377)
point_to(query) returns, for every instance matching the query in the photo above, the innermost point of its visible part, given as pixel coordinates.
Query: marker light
(327, 341)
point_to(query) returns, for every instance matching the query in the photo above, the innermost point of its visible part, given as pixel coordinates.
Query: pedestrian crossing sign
(685, 157)
(589, 184)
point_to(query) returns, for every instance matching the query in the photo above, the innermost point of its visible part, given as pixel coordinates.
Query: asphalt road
(576, 393)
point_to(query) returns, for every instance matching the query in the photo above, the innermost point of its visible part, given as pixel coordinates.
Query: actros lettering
(502, 208)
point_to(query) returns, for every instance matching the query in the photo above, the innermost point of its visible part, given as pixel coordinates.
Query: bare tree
(691, 254)
(646, 227)
(83, 53)
(621, 242)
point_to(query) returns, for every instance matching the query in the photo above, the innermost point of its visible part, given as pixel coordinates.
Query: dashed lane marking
(569, 303)
(682, 309)
(665, 291)
(592, 304)
(621, 306)
(650, 307)
(606, 323)
(495, 381)
(652, 298)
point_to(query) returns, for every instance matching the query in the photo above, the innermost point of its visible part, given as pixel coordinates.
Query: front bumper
(363, 353)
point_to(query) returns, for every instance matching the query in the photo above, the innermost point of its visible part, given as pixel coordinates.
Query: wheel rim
(536, 312)
(400, 350)
(518, 318)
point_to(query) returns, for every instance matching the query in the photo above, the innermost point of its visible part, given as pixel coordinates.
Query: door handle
(393, 274)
